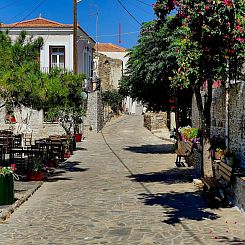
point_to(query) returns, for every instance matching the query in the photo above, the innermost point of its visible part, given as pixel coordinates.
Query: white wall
(62, 37)
(56, 40)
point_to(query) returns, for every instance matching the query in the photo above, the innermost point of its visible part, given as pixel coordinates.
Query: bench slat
(210, 182)
(226, 166)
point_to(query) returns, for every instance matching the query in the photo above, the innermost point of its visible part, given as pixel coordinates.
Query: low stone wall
(153, 121)
(195, 160)
(239, 193)
(40, 129)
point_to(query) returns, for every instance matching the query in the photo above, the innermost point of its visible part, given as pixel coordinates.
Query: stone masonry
(153, 121)
(236, 108)
(94, 118)
(109, 71)
(40, 129)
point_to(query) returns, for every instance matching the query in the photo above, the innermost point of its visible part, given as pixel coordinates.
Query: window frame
(50, 55)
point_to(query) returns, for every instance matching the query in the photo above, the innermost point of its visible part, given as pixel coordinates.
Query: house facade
(57, 51)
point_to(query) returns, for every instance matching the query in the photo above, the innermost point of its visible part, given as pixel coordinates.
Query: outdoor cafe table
(54, 148)
(23, 157)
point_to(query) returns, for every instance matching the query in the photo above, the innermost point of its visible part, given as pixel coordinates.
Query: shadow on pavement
(63, 168)
(81, 149)
(71, 167)
(171, 176)
(57, 178)
(229, 240)
(179, 206)
(152, 149)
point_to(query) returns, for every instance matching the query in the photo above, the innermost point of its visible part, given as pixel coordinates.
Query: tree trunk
(205, 128)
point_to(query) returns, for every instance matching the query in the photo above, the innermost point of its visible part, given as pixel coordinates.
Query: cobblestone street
(121, 187)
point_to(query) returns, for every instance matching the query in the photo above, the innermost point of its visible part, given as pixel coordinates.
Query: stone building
(110, 63)
(108, 70)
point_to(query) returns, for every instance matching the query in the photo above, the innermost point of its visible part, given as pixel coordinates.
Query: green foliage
(113, 99)
(150, 66)
(209, 41)
(189, 44)
(21, 82)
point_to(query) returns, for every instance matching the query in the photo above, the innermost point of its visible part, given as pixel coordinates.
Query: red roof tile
(37, 22)
(110, 47)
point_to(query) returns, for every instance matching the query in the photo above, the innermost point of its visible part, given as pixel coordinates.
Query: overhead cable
(32, 11)
(9, 4)
(148, 4)
(114, 35)
(139, 8)
(128, 12)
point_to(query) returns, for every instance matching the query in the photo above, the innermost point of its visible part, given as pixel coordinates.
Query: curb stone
(6, 212)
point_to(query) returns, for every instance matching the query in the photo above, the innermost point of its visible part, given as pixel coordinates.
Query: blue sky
(110, 14)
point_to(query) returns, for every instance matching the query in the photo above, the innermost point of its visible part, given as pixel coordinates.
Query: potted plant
(190, 134)
(36, 171)
(218, 153)
(77, 125)
(7, 185)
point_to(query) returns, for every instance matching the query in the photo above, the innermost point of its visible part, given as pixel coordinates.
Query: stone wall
(94, 118)
(236, 122)
(109, 71)
(195, 160)
(236, 129)
(40, 129)
(239, 193)
(153, 121)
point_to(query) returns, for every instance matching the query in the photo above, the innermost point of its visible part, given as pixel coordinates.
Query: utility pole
(97, 22)
(75, 38)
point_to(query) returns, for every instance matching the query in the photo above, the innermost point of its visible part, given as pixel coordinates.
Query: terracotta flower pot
(67, 154)
(78, 137)
(35, 176)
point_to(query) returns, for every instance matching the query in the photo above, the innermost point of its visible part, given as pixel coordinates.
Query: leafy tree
(211, 45)
(21, 81)
(113, 99)
(151, 67)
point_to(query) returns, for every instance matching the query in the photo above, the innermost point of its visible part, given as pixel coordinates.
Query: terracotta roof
(110, 47)
(37, 22)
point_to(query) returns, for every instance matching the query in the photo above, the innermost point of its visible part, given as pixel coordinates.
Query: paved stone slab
(122, 187)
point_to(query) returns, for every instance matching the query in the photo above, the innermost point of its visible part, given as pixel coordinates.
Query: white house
(57, 50)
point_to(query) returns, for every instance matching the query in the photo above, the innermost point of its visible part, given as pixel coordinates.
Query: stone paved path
(122, 187)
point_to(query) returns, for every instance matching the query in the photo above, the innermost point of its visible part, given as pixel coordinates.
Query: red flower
(13, 167)
(228, 3)
(240, 39)
(207, 7)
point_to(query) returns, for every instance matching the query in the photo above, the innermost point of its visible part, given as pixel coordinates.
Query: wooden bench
(184, 149)
(216, 187)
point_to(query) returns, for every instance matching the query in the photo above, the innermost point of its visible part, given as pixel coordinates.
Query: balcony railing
(47, 69)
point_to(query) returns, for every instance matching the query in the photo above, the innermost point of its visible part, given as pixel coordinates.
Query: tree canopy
(189, 44)
(21, 82)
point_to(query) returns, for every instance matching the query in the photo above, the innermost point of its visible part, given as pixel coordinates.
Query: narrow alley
(122, 187)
